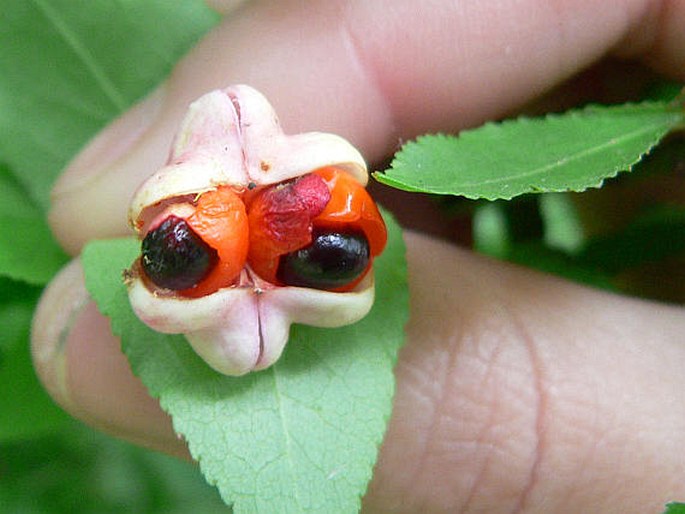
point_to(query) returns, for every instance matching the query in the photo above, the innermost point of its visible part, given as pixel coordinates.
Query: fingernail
(79, 362)
(111, 144)
(59, 307)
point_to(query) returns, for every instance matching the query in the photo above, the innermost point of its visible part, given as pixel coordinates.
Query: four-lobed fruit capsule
(247, 230)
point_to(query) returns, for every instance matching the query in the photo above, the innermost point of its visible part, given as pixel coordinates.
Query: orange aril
(351, 206)
(282, 217)
(221, 221)
(280, 221)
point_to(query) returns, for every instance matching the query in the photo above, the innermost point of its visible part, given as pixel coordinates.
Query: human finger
(81, 365)
(354, 68)
(521, 392)
(515, 391)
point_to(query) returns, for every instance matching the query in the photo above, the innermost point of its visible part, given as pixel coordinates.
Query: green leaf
(568, 152)
(28, 251)
(663, 90)
(17, 300)
(563, 228)
(549, 260)
(301, 436)
(491, 231)
(25, 408)
(656, 234)
(69, 67)
(492, 235)
(79, 470)
(675, 508)
(15, 200)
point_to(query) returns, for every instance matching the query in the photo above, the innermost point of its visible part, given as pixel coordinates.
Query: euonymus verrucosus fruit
(247, 230)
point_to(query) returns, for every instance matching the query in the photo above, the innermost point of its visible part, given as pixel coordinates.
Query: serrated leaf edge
(384, 178)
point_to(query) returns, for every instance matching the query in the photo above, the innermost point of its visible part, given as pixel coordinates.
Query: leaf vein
(614, 141)
(288, 440)
(83, 54)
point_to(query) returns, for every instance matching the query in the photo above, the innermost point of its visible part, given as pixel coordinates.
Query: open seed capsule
(247, 230)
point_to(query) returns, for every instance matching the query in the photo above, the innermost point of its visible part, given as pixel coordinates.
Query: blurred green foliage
(77, 470)
(628, 236)
(69, 67)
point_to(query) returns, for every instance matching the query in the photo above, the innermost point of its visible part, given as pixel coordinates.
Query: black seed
(174, 256)
(332, 260)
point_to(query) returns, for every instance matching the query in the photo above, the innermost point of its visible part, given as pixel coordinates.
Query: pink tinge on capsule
(230, 152)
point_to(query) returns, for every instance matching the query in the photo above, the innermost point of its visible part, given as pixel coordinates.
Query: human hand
(516, 391)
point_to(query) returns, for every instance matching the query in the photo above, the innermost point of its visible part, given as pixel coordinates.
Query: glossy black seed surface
(332, 260)
(174, 257)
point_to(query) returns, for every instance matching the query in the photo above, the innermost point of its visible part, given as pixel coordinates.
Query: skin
(517, 392)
